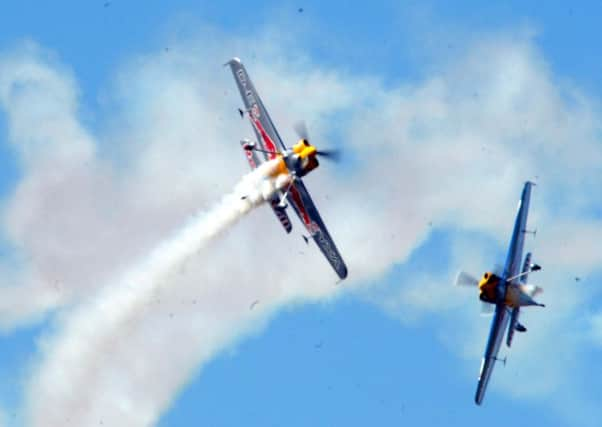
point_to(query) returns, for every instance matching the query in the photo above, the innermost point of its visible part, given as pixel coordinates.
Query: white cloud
(452, 150)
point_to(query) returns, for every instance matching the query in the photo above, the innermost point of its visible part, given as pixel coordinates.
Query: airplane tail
(255, 161)
(527, 292)
(281, 215)
(514, 326)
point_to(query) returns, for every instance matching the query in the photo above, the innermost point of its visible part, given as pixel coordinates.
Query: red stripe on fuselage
(267, 141)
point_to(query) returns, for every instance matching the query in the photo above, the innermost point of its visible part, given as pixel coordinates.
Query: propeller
(334, 155)
(301, 130)
(466, 279)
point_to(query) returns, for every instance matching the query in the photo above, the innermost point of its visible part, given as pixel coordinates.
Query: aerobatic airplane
(297, 162)
(506, 292)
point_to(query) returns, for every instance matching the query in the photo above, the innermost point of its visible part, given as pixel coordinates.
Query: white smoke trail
(73, 356)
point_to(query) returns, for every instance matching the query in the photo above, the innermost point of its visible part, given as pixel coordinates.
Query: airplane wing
(267, 136)
(515, 251)
(502, 315)
(301, 201)
(498, 327)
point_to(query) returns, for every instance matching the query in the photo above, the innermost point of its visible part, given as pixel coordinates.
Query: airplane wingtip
(234, 60)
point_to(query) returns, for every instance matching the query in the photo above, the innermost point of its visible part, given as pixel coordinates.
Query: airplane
(297, 161)
(505, 292)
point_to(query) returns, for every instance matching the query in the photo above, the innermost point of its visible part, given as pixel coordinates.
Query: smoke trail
(73, 356)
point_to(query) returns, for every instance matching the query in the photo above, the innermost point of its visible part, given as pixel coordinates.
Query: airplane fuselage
(514, 296)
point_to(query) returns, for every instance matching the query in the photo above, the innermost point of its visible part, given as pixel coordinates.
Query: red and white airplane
(296, 161)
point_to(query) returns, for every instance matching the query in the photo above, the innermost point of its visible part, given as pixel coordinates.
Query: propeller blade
(466, 279)
(301, 130)
(332, 155)
(487, 309)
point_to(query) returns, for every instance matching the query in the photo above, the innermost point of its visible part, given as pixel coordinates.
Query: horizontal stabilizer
(531, 290)
(514, 325)
(526, 295)
(281, 215)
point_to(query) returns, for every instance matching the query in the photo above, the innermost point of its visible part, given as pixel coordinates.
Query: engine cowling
(303, 158)
(488, 287)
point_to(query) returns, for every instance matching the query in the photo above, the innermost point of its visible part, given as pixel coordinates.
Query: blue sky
(354, 357)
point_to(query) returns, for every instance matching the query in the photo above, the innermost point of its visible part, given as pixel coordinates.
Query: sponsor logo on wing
(253, 103)
(249, 95)
(329, 249)
(255, 114)
(241, 77)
